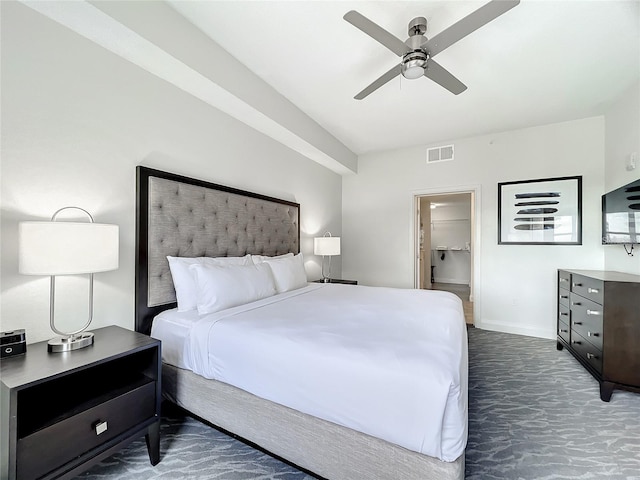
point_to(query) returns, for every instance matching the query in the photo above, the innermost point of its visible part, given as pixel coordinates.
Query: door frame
(475, 191)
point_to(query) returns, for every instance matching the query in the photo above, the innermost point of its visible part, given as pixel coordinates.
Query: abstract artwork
(547, 211)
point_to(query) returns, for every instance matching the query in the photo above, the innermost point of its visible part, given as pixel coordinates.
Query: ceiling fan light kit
(417, 51)
(414, 64)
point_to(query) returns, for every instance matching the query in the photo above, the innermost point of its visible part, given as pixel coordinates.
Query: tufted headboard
(184, 217)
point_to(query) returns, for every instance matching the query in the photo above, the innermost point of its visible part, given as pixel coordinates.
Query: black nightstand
(64, 412)
(337, 280)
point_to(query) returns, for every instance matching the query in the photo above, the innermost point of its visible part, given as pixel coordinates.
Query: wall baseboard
(458, 281)
(516, 329)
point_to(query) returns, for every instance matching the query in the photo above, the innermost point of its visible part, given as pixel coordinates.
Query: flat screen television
(621, 215)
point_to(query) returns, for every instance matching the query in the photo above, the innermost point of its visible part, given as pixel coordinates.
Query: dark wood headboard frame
(144, 313)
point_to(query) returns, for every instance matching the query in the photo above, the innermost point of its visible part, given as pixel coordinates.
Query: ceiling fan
(417, 51)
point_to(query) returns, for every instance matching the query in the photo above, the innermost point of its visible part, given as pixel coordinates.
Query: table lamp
(327, 246)
(67, 248)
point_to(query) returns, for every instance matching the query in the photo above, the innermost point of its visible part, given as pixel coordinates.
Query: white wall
(515, 285)
(622, 138)
(76, 120)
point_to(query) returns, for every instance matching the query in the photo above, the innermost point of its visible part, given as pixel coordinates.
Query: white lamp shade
(67, 248)
(326, 246)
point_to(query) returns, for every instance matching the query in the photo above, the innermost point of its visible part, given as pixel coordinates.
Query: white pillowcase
(263, 258)
(184, 281)
(221, 287)
(288, 272)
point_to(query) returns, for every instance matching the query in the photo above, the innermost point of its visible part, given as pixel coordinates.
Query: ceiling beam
(158, 39)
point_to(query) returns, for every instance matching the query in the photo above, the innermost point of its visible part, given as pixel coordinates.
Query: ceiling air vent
(440, 154)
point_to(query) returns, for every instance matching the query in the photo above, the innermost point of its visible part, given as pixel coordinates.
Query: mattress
(390, 363)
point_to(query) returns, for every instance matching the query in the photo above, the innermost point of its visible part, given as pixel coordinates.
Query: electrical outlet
(632, 163)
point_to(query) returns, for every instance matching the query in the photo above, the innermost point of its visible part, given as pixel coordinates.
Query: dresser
(599, 324)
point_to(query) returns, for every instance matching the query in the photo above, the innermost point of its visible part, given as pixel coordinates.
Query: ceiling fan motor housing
(414, 62)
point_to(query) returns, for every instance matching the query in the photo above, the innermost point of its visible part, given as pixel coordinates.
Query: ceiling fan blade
(442, 77)
(468, 24)
(384, 78)
(376, 32)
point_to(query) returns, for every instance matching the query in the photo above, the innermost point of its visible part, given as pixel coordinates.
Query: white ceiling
(541, 62)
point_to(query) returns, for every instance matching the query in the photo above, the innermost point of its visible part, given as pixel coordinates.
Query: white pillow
(263, 258)
(184, 281)
(288, 272)
(221, 287)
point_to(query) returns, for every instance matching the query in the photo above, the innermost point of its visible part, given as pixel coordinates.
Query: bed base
(324, 448)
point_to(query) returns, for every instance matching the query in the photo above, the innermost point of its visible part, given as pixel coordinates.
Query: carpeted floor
(534, 414)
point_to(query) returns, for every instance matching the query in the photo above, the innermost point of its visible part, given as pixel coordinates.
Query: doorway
(445, 250)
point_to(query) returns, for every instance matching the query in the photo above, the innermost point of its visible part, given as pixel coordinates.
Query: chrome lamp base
(72, 342)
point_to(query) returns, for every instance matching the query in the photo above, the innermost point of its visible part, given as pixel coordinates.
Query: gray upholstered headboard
(184, 217)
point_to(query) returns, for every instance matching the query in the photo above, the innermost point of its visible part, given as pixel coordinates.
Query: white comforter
(388, 362)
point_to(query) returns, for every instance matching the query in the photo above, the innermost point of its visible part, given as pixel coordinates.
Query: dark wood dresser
(599, 323)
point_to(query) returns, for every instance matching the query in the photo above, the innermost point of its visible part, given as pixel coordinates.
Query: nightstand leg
(153, 442)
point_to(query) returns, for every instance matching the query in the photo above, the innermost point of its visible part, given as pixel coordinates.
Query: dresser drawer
(587, 351)
(563, 331)
(586, 319)
(588, 288)
(45, 449)
(563, 313)
(564, 280)
(563, 297)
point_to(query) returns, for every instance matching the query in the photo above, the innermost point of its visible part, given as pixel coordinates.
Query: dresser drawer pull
(564, 331)
(594, 312)
(577, 342)
(576, 303)
(100, 427)
(564, 296)
(591, 356)
(577, 323)
(564, 313)
(593, 334)
(564, 279)
(592, 290)
(577, 284)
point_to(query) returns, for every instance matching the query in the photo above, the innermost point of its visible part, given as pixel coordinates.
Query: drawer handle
(564, 313)
(564, 296)
(591, 356)
(593, 334)
(577, 342)
(594, 312)
(564, 279)
(100, 427)
(592, 290)
(577, 284)
(576, 303)
(564, 331)
(577, 323)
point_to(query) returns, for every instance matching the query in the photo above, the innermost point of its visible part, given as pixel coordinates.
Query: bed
(287, 403)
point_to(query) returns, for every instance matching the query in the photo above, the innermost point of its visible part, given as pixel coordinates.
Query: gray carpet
(534, 414)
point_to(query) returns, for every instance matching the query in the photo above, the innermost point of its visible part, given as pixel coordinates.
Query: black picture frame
(545, 211)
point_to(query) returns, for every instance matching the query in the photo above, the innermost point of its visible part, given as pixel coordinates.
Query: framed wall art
(546, 211)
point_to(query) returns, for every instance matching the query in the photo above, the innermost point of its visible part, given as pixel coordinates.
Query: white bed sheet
(391, 363)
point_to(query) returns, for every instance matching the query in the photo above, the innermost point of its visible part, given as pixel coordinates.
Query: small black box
(13, 343)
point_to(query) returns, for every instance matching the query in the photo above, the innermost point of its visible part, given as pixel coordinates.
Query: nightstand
(337, 280)
(64, 412)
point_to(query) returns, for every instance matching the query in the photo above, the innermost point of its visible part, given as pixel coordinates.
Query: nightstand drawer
(46, 449)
